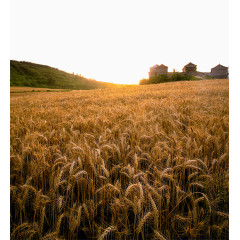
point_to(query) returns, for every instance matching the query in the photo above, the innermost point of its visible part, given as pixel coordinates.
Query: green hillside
(26, 74)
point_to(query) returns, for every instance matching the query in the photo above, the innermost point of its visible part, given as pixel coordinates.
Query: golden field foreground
(141, 162)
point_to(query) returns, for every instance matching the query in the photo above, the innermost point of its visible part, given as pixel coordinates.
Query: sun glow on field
(121, 163)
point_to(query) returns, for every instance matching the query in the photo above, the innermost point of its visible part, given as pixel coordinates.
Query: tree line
(167, 78)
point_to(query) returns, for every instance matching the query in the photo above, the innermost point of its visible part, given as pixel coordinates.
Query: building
(219, 71)
(158, 70)
(190, 68)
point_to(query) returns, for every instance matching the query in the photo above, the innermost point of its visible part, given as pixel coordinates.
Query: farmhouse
(190, 68)
(158, 70)
(219, 71)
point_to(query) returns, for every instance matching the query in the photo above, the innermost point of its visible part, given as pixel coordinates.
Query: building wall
(220, 71)
(161, 70)
(189, 69)
(158, 71)
(155, 73)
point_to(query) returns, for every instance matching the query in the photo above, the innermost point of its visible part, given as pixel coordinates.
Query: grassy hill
(27, 74)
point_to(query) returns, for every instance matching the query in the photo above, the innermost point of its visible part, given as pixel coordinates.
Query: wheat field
(139, 162)
(31, 89)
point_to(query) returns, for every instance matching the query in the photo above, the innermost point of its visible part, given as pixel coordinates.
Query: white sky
(118, 41)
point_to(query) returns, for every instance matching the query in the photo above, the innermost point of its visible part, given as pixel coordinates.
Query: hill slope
(27, 74)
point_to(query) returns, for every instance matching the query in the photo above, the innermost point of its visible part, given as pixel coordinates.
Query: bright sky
(118, 41)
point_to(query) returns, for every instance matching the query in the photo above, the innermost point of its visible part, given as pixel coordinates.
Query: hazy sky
(118, 41)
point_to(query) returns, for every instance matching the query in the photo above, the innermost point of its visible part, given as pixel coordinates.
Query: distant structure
(190, 68)
(217, 72)
(158, 70)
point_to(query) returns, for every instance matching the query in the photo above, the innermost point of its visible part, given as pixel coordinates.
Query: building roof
(190, 65)
(162, 66)
(219, 66)
(155, 66)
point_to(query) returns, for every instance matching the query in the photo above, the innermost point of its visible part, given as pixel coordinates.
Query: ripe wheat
(143, 162)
